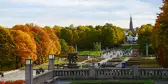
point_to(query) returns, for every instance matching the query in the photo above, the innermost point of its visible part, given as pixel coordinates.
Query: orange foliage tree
(160, 34)
(55, 45)
(26, 48)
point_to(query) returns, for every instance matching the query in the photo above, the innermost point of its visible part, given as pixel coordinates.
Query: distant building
(133, 37)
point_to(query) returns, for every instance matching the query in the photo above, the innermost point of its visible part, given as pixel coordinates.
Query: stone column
(28, 71)
(135, 71)
(51, 62)
(92, 72)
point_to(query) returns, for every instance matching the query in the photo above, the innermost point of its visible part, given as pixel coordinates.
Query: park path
(12, 71)
(82, 62)
(18, 75)
(109, 56)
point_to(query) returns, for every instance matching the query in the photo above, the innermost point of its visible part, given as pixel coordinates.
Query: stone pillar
(28, 71)
(51, 62)
(135, 71)
(92, 72)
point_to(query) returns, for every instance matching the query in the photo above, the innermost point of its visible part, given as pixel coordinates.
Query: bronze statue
(72, 58)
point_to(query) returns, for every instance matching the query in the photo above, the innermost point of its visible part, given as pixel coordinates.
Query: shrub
(13, 82)
(2, 82)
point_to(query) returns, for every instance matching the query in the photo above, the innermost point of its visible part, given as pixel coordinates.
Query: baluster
(142, 73)
(62, 73)
(118, 71)
(75, 73)
(81, 73)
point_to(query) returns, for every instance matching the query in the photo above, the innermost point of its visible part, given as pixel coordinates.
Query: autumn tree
(7, 48)
(160, 33)
(43, 43)
(26, 48)
(55, 47)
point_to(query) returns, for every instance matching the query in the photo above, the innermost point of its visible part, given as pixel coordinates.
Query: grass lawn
(94, 60)
(128, 46)
(112, 82)
(91, 53)
(116, 59)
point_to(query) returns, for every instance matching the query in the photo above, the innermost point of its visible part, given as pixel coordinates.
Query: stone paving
(19, 75)
(110, 55)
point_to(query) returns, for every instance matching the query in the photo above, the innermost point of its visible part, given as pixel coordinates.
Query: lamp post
(28, 71)
(100, 48)
(51, 62)
(76, 48)
(147, 49)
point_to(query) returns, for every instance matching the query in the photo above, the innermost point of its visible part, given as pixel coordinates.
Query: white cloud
(79, 12)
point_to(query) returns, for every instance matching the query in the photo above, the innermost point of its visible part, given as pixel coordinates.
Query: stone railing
(103, 73)
(112, 73)
(153, 73)
(72, 73)
(39, 79)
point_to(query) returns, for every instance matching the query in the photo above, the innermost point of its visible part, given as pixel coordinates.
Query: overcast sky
(78, 12)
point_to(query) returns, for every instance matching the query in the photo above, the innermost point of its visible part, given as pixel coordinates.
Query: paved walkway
(12, 71)
(82, 62)
(18, 75)
(110, 55)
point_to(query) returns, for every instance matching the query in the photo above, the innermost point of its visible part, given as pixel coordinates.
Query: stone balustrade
(103, 73)
(39, 79)
(72, 73)
(112, 73)
(153, 73)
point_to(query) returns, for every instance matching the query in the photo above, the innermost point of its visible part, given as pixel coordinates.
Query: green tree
(67, 35)
(145, 37)
(97, 46)
(64, 46)
(57, 30)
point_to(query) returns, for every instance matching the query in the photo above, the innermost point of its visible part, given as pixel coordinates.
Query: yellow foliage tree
(26, 48)
(55, 46)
